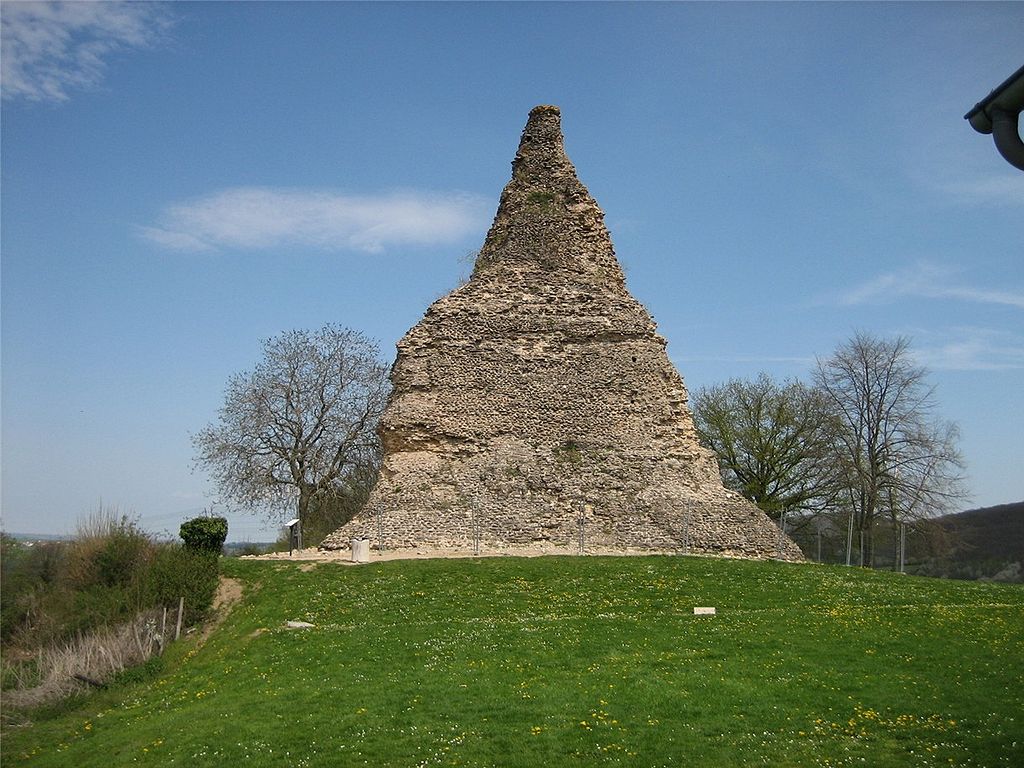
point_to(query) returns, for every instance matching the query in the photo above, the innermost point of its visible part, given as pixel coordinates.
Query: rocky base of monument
(723, 524)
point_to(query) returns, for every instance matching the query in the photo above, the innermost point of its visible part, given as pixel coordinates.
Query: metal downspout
(1007, 137)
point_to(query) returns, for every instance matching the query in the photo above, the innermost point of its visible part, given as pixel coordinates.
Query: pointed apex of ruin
(546, 218)
(542, 146)
(545, 109)
(541, 160)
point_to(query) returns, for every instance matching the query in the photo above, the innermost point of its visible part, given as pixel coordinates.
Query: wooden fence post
(181, 610)
(163, 632)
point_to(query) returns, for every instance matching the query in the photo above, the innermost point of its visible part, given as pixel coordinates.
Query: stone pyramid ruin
(536, 404)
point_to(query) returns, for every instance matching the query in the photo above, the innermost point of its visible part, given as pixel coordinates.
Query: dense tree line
(859, 446)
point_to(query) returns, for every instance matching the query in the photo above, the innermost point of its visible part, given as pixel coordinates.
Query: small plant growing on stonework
(541, 197)
(468, 261)
(569, 452)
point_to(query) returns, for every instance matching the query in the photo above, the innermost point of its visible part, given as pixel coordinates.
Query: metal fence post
(849, 542)
(581, 520)
(782, 535)
(686, 526)
(474, 506)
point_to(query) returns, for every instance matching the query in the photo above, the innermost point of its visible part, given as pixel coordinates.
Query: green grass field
(571, 661)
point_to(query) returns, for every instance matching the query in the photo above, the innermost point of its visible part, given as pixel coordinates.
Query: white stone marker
(703, 611)
(360, 550)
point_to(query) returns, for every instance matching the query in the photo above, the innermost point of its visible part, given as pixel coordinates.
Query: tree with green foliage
(296, 430)
(897, 460)
(772, 442)
(205, 534)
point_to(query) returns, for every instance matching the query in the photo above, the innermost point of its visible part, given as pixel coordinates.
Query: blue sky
(181, 181)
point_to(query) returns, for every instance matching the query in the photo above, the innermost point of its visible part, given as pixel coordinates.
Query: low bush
(109, 551)
(204, 533)
(178, 571)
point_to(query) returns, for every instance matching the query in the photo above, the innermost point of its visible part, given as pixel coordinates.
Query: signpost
(294, 535)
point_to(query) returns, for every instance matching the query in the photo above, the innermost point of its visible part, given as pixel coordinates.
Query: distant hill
(30, 537)
(236, 548)
(231, 548)
(989, 532)
(981, 543)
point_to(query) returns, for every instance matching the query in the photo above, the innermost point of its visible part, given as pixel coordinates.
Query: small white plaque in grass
(703, 611)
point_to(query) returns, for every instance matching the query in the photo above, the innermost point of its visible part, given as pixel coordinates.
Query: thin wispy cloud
(752, 358)
(50, 50)
(970, 349)
(255, 218)
(997, 188)
(962, 348)
(928, 281)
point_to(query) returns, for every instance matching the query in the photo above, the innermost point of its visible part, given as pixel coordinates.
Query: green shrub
(178, 571)
(205, 533)
(542, 198)
(109, 551)
(99, 605)
(122, 558)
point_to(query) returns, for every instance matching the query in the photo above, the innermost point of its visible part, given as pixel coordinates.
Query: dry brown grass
(62, 670)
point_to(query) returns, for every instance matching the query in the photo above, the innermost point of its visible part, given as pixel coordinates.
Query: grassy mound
(572, 661)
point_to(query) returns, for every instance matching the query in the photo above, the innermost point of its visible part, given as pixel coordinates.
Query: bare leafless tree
(772, 442)
(301, 426)
(899, 461)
